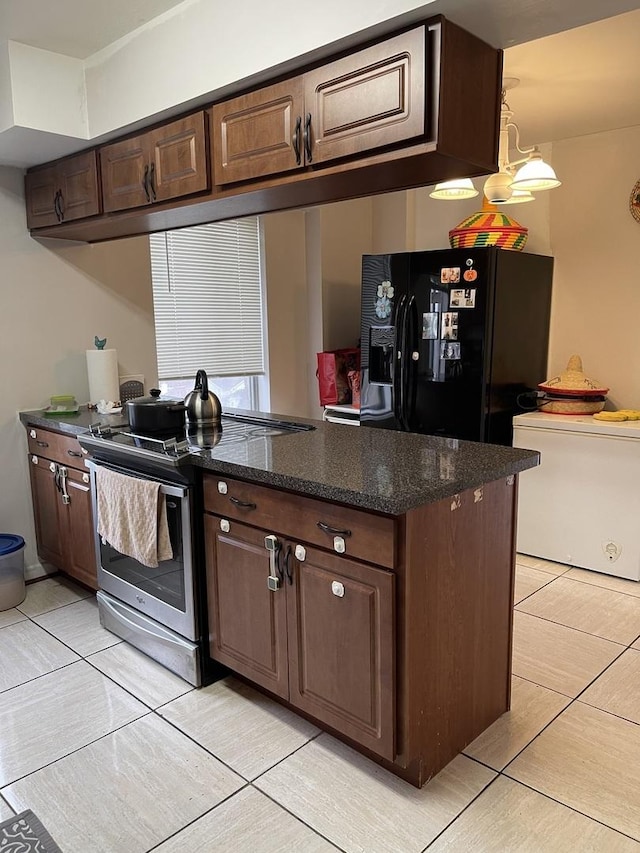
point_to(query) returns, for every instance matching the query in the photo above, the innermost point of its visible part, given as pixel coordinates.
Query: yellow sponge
(631, 414)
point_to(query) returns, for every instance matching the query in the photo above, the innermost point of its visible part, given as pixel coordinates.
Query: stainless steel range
(161, 610)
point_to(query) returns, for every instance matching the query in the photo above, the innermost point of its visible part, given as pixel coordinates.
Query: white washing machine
(581, 506)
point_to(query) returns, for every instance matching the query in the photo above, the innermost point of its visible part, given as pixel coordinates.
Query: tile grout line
(571, 808)
(571, 627)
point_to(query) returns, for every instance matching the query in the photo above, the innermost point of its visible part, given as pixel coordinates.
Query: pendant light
(459, 188)
(510, 184)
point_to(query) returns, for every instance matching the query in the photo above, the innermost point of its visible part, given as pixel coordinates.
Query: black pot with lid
(153, 414)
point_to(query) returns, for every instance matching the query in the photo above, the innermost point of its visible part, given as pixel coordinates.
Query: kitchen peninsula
(365, 578)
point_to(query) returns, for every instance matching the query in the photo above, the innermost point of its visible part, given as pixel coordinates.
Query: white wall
(53, 300)
(346, 236)
(6, 98)
(287, 312)
(596, 244)
(313, 263)
(48, 91)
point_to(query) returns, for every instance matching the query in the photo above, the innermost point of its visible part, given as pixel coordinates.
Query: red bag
(332, 373)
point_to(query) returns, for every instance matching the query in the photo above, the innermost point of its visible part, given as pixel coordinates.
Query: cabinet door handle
(307, 138)
(272, 544)
(75, 453)
(66, 499)
(152, 184)
(145, 182)
(287, 565)
(42, 443)
(242, 504)
(58, 206)
(333, 531)
(296, 140)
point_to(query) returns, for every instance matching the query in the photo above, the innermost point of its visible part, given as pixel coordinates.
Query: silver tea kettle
(203, 407)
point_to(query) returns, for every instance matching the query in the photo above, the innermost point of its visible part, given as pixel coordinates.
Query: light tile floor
(114, 753)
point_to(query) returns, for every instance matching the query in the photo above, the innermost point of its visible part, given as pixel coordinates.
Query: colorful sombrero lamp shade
(488, 227)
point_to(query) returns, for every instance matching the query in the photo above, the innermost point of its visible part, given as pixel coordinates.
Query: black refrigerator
(452, 339)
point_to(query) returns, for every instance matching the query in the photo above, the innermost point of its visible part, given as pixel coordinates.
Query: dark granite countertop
(376, 469)
(72, 424)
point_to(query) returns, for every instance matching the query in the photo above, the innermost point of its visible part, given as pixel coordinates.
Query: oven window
(165, 583)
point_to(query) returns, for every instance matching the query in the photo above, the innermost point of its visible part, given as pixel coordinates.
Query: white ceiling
(76, 28)
(574, 80)
(582, 81)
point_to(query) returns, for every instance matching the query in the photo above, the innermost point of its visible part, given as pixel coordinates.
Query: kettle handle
(203, 383)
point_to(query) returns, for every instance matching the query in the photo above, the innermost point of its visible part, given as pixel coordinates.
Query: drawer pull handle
(74, 453)
(242, 504)
(333, 531)
(42, 443)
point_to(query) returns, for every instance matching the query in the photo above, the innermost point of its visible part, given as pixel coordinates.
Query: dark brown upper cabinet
(163, 164)
(62, 192)
(412, 109)
(364, 101)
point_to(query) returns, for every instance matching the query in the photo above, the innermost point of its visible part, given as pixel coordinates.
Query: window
(208, 298)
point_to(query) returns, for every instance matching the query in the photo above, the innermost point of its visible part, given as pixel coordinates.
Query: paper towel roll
(102, 368)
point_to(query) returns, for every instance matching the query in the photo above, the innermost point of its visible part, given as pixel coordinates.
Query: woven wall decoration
(634, 202)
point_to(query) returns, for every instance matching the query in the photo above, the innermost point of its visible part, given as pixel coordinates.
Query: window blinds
(207, 299)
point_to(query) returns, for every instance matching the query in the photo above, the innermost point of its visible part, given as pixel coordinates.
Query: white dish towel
(132, 517)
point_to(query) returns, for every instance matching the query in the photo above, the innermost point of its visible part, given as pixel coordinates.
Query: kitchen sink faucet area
(112, 751)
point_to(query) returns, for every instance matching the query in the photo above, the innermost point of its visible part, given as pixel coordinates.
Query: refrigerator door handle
(409, 345)
(397, 367)
(401, 363)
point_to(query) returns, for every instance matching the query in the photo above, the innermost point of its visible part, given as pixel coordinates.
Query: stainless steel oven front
(153, 608)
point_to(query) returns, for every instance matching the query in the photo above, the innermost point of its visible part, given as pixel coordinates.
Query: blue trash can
(12, 588)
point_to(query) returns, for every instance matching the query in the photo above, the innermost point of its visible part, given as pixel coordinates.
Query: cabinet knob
(34, 459)
(52, 467)
(224, 525)
(32, 433)
(339, 545)
(85, 478)
(222, 487)
(301, 553)
(337, 588)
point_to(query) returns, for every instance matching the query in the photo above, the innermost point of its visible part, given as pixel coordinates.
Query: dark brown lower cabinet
(312, 627)
(46, 510)
(392, 631)
(62, 510)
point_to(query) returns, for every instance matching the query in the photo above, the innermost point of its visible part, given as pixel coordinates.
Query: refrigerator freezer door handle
(398, 378)
(404, 360)
(409, 348)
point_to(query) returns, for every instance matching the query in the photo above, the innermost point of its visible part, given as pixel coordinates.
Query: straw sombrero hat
(572, 393)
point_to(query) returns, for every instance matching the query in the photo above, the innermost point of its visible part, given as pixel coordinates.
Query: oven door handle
(138, 627)
(165, 488)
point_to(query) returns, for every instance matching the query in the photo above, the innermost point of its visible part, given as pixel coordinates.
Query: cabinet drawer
(366, 536)
(64, 449)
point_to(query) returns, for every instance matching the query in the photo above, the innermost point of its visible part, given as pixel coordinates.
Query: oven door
(166, 593)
